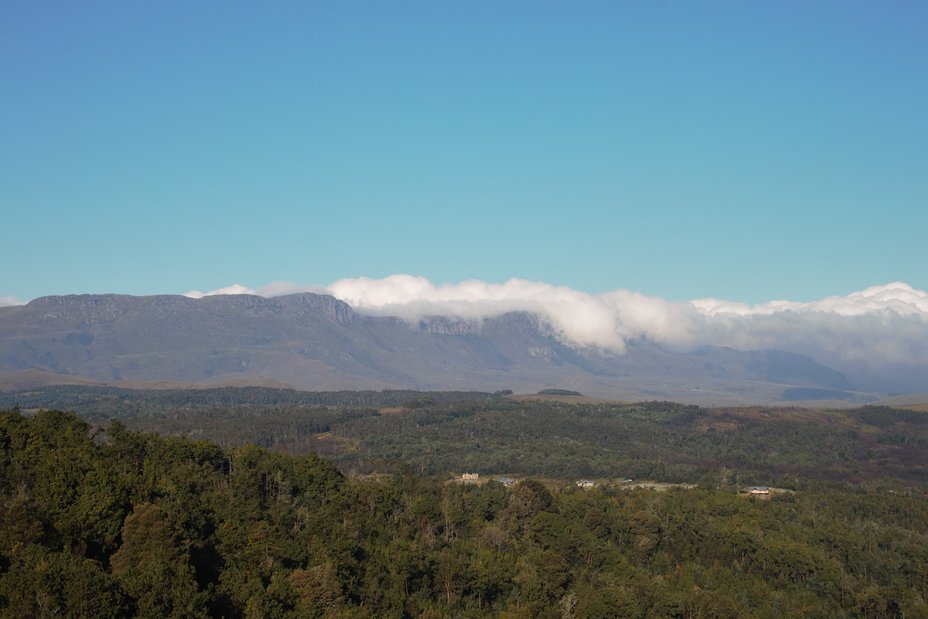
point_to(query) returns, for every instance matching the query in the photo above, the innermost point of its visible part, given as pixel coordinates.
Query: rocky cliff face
(443, 325)
(315, 341)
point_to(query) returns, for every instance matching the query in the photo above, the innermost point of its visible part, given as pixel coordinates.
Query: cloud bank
(8, 301)
(882, 327)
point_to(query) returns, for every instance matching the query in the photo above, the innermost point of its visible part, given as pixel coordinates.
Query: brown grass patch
(392, 410)
(920, 408)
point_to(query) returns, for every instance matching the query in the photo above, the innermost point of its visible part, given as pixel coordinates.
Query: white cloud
(897, 296)
(233, 289)
(276, 289)
(610, 319)
(8, 301)
(579, 317)
(880, 326)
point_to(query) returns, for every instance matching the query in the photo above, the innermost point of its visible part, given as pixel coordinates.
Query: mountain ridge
(315, 341)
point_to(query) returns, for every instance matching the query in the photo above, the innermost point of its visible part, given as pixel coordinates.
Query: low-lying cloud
(882, 326)
(233, 289)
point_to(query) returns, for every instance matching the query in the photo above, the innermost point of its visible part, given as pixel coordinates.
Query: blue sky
(740, 150)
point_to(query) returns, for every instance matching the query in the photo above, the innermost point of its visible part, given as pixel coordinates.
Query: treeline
(114, 401)
(112, 523)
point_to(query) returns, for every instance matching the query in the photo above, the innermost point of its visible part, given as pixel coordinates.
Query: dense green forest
(439, 433)
(98, 519)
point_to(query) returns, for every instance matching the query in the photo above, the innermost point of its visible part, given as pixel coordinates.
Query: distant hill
(316, 342)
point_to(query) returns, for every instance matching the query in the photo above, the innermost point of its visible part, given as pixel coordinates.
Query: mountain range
(316, 342)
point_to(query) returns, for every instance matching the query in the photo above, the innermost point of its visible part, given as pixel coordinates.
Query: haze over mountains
(317, 342)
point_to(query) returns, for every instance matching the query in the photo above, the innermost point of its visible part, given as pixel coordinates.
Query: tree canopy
(110, 522)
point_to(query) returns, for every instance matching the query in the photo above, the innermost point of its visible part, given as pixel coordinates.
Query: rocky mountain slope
(317, 342)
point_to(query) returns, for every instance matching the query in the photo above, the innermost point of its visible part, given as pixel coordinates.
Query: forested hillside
(108, 522)
(438, 433)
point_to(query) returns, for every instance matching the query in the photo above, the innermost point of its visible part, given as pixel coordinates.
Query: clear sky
(739, 150)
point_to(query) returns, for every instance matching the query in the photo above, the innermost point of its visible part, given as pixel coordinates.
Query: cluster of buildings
(473, 478)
